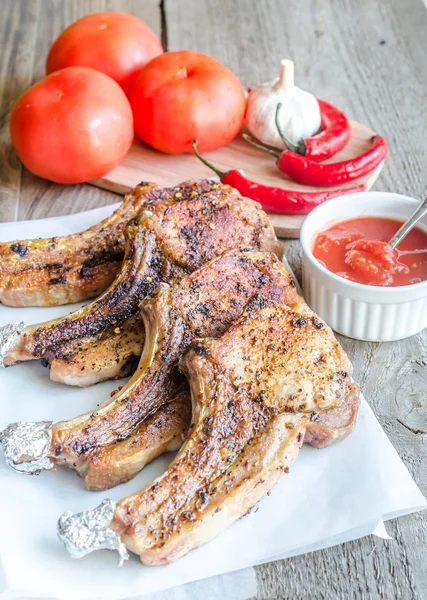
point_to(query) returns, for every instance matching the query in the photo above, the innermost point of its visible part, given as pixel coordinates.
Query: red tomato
(116, 44)
(182, 96)
(72, 126)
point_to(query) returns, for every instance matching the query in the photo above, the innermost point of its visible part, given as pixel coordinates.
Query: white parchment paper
(330, 496)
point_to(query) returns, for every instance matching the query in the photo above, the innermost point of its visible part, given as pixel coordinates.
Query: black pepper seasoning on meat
(300, 322)
(316, 323)
(19, 249)
(201, 350)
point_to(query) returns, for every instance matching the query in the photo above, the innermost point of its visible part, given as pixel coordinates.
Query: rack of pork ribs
(236, 371)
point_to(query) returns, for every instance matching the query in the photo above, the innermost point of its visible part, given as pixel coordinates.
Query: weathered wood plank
(18, 29)
(40, 198)
(368, 57)
(340, 55)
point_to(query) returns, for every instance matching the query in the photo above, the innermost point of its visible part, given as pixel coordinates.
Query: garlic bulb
(299, 115)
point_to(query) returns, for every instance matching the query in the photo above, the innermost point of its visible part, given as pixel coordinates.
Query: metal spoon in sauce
(409, 224)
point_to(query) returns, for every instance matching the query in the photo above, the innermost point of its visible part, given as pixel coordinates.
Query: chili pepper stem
(205, 162)
(252, 142)
(300, 148)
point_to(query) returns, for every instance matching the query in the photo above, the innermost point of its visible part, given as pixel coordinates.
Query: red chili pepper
(309, 172)
(274, 199)
(334, 135)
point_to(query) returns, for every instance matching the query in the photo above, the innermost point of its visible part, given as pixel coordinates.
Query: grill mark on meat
(101, 258)
(116, 305)
(55, 280)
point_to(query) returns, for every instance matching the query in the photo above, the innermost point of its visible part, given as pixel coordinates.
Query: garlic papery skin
(299, 116)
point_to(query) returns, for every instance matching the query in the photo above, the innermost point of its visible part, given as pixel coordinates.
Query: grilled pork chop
(255, 394)
(116, 463)
(203, 304)
(71, 268)
(180, 229)
(277, 377)
(138, 277)
(109, 354)
(162, 431)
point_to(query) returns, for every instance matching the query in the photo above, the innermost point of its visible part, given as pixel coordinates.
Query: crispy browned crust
(203, 219)
(203, 304)
(255, 391)
(187, 226)
(110, 354)
(72, 268)
(140, 274)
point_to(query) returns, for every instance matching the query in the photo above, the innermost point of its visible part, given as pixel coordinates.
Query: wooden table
(370, 58)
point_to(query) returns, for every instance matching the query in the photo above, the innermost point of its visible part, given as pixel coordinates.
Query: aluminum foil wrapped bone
(87, 531)
(8, 336)
(26, 446)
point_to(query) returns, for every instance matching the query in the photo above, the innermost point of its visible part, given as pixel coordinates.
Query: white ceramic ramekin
(363, 312)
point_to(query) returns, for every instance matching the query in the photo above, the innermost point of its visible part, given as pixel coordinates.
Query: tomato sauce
(358, 250)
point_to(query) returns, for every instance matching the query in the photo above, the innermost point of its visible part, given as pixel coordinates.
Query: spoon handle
(409, 224)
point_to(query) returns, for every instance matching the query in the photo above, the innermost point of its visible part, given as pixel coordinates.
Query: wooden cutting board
(143, 163)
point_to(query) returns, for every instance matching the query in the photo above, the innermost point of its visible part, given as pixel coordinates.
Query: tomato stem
(204, 161)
